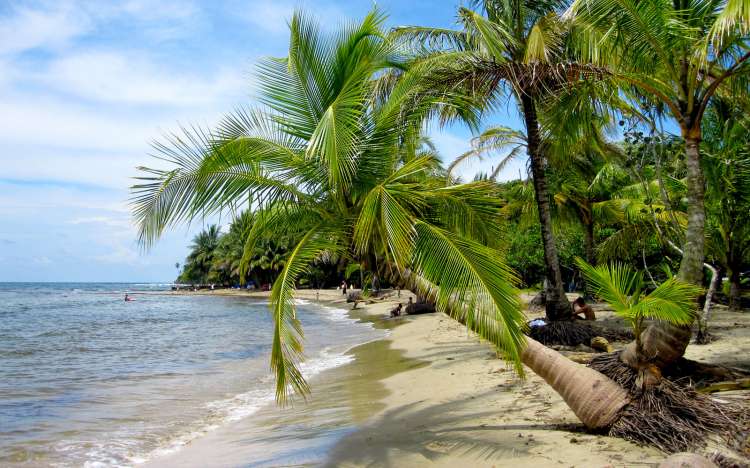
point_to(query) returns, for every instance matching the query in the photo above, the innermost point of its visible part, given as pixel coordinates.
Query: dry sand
(463, 407)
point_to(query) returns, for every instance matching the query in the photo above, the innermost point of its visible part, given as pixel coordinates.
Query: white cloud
(273, 16)
(108, 221)
(101, 169)
(149, 10)
(50, 122)
(136, 79)
(29, 29)
(53, 25)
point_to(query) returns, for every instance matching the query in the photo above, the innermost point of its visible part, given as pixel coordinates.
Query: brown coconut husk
(672, 416)
(575, 332)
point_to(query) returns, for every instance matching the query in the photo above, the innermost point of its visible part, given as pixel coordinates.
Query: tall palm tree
(516, 48)
(676, 54)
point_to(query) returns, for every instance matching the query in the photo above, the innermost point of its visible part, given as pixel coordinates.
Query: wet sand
(431, 394)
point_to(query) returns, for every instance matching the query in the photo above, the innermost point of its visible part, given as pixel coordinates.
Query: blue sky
(86, 86)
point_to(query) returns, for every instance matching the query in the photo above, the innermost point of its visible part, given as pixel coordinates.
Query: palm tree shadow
(428, 434)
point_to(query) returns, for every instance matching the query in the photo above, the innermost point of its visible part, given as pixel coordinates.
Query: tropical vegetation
(635, 129)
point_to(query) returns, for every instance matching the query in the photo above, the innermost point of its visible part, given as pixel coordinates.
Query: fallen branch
(742, 384)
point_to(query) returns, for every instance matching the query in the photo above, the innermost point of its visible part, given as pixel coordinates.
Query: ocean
(87, 379)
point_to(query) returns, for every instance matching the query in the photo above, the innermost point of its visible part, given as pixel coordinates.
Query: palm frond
(672, 301)
(287, 348)
(472, 285)
(615, 283)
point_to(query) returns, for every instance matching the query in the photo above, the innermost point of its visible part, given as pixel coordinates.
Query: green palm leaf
(473, 285)
(287, 350)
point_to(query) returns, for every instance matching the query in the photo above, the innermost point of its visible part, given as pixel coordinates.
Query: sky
(87, 86)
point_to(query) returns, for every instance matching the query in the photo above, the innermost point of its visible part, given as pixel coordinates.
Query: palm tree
(335, 166)
(516, 48)
(340, 169)
(623, 289)
(727, 167)
(676, 54)
(202, 250)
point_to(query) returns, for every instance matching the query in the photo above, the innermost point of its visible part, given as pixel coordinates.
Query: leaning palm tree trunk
(594, 398)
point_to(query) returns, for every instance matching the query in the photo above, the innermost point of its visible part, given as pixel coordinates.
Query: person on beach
(396, 311)
(343, 286)
(580, 307)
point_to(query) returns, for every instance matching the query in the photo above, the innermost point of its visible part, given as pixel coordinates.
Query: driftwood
(579, 357)
(742, 384)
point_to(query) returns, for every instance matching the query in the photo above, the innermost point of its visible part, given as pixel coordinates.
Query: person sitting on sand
(396, 311)
(580, 307)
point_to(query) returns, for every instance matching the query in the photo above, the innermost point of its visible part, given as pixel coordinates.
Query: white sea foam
(125, 448)
(245, 404)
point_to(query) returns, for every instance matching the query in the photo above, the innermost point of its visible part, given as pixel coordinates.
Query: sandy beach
(431, 394)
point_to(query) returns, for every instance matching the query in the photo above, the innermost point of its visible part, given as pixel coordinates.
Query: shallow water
(87, 379)
(342, 400)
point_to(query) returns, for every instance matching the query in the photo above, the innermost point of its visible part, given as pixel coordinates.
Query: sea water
(87, 379)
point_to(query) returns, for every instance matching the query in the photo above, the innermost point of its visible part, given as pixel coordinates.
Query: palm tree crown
(336, 158)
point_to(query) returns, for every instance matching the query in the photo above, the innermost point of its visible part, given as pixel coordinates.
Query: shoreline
(430, 393)
(333, 403)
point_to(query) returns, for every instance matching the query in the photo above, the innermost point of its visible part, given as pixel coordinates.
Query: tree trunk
(702, 336)
(557, 305)
(594, 398)
(588, 242)
(664, 343)
(588, 245)
(735, 291)
(691, 267)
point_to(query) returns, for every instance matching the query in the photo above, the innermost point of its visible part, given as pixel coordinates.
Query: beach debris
(741, 384)
(420, 308)
(600, 343)
(687, 460)
(537, 323)
(574, 332)
(671, 415)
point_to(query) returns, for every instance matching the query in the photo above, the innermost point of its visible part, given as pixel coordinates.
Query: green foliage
(525, 254)
(726, 145)
(337, 162)
(623, 289)
(198, 263)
